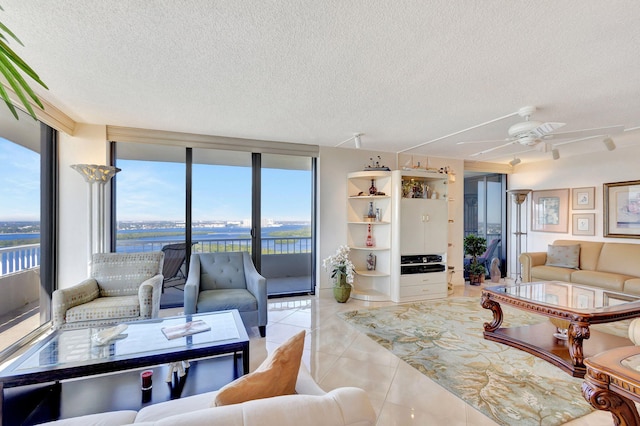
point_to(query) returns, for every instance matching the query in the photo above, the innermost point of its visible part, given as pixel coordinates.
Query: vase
(341, 290)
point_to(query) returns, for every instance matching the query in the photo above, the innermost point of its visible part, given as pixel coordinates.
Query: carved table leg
(596, 391)
(577, 333)
(487, 303)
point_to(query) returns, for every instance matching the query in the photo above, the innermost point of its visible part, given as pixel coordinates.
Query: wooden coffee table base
(538, 339)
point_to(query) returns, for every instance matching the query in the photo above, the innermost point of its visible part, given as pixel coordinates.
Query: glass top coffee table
(572, 309)
(67, 354)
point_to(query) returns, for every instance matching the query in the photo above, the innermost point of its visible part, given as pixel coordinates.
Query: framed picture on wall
(622, 209)
(550, 210)
(584, 224)
(583, 198)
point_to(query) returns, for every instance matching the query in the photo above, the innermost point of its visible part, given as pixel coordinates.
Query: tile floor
(338, 355)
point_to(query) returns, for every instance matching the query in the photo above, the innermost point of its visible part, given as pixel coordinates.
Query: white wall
(88, 146)
(574, 172)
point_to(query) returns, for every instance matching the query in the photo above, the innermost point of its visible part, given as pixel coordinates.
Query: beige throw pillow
(564, 256)
(276, 376)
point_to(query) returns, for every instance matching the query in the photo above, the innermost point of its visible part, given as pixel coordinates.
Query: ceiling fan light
(515, 161)
(555, 153)
(608, 142)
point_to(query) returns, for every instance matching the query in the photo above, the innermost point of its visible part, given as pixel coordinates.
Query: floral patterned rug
(443, 340)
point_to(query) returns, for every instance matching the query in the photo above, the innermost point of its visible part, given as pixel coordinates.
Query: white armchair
(122, 287)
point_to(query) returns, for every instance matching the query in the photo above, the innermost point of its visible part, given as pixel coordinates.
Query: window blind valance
(191, 140)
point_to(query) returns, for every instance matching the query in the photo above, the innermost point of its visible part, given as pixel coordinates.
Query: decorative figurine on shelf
(372, 188)
(371, 262)
(371, 214)
(369, 242)
(375, 165)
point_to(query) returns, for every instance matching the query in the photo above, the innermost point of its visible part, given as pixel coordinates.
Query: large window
(27, 223)
(210, 200)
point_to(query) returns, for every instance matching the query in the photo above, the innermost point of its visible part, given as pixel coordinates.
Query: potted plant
(475, 246)
(342, 270)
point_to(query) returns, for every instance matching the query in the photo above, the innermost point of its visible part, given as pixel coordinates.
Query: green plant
(475, 246)
(9, 60)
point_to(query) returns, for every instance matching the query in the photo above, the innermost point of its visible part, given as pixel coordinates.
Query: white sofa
(311, 406)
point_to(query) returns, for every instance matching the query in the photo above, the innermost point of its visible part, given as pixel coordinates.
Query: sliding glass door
(286, 219)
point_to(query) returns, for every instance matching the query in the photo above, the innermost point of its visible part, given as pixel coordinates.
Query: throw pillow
(276, 376)
(564, 256)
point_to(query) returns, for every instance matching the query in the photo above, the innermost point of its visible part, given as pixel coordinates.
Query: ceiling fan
(531, 133)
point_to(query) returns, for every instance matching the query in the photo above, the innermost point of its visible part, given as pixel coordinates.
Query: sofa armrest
(149, 294)
(257, 285)
(529, 260)
(66, 298)
(305, 384)
(192, 286)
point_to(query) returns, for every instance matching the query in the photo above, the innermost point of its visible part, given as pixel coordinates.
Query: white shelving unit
(412, 222)
(420, 228)
(373, 285)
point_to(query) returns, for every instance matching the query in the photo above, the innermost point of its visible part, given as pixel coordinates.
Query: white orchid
(340, 264)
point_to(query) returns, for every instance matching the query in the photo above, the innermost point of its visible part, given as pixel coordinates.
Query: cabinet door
(423, 226)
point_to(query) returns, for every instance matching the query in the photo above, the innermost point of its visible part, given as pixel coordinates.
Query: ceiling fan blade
(598, 131)
(486, 151)
(546, 128)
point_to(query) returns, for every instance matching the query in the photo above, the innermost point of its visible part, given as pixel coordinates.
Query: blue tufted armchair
(227, 280)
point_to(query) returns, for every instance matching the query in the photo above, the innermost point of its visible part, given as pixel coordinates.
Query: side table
(612, 383)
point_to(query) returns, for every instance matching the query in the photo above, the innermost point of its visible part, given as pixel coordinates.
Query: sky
(148, 190)
(19, 183)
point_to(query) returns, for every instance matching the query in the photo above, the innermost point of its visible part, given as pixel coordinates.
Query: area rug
(443, 340)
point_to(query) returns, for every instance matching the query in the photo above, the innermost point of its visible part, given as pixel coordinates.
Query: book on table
(186, 329)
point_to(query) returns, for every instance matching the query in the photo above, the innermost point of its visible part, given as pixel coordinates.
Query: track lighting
(357, 140)
(608, 142)
(515, 161)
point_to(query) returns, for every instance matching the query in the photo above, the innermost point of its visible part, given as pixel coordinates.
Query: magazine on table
(186, 329)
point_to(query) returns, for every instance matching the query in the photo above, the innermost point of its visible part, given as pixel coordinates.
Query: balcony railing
(271, 245)
(19, 258)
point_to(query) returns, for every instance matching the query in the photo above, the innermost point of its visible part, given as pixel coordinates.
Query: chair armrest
(257, 285)
(529, 260)
(149, 294)
(192, 286)
(66, 298)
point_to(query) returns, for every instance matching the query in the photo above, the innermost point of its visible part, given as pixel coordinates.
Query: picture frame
(622, 209)
(583, 198)
(550, 211)
(583, 224)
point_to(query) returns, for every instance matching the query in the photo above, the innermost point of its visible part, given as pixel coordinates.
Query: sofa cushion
(112, 309)
(111, 418)
(563, 256)
(551, 273)
(276, 376)
(632, 286)
(155, 412)
(604, 280)
(222, 300)
(589, 252)
(620, 258)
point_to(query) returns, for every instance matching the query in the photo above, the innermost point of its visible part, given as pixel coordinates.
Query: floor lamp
(519, 196)
(100, 176)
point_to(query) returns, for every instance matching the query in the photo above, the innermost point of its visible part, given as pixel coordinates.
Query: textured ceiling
(403, 73)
